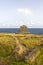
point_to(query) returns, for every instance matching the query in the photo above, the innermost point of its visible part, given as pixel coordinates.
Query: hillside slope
(21, 49)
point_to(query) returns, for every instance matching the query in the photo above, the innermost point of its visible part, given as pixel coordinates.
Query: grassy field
(30, 49)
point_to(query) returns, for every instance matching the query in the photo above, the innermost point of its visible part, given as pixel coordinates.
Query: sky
(14, 13)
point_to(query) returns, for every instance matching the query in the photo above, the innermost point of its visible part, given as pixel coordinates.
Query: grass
(7, 46)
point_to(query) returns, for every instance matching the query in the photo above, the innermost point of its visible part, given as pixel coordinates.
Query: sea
(15, 30)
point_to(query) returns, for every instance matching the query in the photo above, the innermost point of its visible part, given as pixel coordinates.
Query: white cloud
(32, 23)
(20, 10)
(25, 11)
(40, 23)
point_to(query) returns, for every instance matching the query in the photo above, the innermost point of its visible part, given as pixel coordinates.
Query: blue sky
(14, 13)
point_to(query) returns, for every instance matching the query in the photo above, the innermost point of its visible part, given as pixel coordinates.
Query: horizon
(14, 13)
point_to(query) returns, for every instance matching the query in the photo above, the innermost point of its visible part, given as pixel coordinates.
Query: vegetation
(21, 49)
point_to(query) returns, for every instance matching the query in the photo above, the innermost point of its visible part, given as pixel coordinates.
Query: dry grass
(9, 40)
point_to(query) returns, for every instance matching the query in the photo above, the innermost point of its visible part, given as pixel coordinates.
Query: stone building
(23, 29)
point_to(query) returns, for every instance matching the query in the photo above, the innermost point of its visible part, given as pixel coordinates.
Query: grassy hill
(21, 49)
